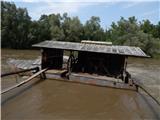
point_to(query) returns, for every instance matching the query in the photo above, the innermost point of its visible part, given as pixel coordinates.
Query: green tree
(44, 28)
(156, 30)
(128, 32)
(8, 13)
(55, 27)
(15, 26)
(73, 29)
(149, 28)
(18, 31)
(93, 30)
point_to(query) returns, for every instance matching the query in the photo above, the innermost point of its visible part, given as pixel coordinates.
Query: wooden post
(42, 75)
(124, 71)
(136, 87)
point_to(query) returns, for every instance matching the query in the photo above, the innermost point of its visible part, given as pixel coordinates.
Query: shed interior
(52, 58)
(100, 63)
(85, 62)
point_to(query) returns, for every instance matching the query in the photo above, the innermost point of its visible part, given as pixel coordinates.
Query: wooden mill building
(88, 57)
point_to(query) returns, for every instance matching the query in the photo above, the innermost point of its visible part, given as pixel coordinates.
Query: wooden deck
(103, 81)
(91, 79)
(55, 71)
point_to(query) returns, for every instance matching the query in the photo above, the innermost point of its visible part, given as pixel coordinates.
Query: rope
(140, 86)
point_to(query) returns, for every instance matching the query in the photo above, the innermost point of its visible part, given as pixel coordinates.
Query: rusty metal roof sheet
(112, 49)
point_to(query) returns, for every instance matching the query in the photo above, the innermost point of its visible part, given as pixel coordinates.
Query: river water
(51, 99)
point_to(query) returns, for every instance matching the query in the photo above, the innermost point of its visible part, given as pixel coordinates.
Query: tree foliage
(72, 29)
(130, 32)
(15, 26)
(93, 29)
(19, 31)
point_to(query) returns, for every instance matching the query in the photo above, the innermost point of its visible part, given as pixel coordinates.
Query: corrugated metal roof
(25, 64)
(112, 49)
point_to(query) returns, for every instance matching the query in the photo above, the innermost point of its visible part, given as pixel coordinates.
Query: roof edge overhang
(71, 49)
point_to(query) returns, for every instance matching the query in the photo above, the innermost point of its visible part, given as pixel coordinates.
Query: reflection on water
(52, 99)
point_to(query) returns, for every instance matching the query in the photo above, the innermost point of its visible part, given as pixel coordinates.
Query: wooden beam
(25, 81)
(17, 72)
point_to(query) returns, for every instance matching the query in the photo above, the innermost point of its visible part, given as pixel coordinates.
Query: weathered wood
(96, 42)
(17, 72)
(25, 81)
(109, 49)
(101, 81)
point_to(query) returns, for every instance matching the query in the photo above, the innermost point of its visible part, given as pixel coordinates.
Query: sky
(108, 10)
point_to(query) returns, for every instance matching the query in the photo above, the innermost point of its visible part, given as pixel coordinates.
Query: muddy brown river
(57, 100)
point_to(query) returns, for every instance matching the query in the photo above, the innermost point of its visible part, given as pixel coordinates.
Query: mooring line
(141, 86)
